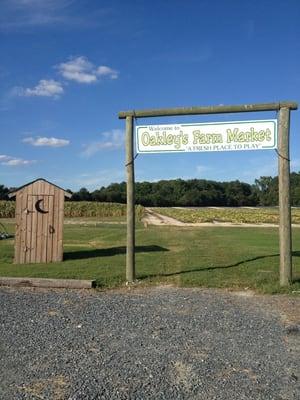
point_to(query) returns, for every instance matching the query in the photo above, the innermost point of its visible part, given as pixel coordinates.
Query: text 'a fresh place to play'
(225, 136)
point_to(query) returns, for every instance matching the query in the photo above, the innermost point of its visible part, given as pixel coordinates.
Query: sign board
(223, 136)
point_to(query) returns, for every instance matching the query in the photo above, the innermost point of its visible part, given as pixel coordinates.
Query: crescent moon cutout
(38, 207)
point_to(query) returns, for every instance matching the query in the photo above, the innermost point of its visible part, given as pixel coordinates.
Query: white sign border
(273, 147)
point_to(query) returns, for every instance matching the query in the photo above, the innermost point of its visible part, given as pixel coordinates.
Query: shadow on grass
(108, 252)
(160, 275)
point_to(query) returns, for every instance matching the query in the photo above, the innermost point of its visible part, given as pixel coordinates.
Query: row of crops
(79, 209)
(237, 215)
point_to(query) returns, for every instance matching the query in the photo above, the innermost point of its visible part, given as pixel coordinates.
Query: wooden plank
(18, 227)
(50, 224)
(45, 218)
(48, 283)
(33, 251)
(36, 188)
(23, 247)
(219, 109)
(29, 218)
(61, 200)
(39, 235)
(55, 225)
(45, 231)
(50, 229)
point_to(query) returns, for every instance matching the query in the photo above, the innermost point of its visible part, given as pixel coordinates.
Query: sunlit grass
(236, 258)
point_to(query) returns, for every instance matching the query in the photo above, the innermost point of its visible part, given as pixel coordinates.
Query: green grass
(235, 258)
(227, 214)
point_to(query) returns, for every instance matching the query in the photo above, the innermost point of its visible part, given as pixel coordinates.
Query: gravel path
(158, 343)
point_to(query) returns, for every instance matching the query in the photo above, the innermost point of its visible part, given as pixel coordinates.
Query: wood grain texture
(218, 109)
(130, 252)
(285, 227)
(39, 223)
(47, 283)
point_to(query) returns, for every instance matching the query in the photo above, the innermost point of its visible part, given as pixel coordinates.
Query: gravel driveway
(156, 343)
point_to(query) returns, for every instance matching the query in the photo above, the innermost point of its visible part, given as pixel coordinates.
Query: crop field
(79, 209)
(95, 248)
(237, 215)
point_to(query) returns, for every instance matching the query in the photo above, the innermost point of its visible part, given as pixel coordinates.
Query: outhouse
(39, 222)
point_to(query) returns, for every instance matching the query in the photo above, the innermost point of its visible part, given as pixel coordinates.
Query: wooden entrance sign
(285, 229)
(39, 222)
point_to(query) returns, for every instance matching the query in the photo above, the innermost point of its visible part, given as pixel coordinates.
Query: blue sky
(68, 67)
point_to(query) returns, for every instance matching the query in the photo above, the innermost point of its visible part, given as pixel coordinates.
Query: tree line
(193, 193)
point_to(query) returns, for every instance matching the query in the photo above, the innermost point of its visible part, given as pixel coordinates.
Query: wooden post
(130, 254)
(285, 230)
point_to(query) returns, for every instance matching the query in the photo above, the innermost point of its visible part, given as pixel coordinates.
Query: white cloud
(81, 70)
(45, 141)
(4, 158)
(46, 88)
(13, 161)
(111, 140)
(18, 161)
(107, 71)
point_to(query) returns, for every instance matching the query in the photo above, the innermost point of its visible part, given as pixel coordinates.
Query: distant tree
(192, 192)
(295, 188)
(82, 195)
(4, 192)
(266, 189)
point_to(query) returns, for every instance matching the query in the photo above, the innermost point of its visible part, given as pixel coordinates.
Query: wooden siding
(39, 236)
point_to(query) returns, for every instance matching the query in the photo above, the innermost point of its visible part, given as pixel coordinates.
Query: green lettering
(232, 136)
(145, 139)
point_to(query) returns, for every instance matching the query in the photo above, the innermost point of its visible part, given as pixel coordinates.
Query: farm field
(85, 209)
(239, 215)
(234, 258)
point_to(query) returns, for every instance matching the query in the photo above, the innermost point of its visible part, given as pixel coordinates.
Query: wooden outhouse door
(40, 228)
(39, 223)
(38, 239)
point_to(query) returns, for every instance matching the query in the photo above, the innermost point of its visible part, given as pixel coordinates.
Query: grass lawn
(184, 256)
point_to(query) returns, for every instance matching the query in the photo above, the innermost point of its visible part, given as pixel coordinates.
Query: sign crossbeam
(219, 109)
(285, 229)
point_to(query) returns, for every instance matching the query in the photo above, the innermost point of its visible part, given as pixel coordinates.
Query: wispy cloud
(13, 161)
(46, 141)
(96, 179)
(201, 169)
(45, 88)
(107, 72)
(110, 140)
(81, 70)
(24, 14)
